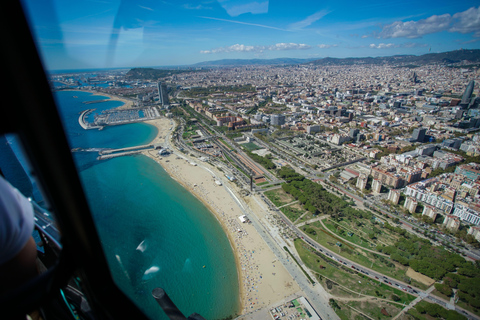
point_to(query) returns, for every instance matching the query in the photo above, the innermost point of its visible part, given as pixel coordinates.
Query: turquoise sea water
(154, 233)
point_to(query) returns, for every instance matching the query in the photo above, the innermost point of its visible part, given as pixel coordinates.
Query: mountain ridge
(449, 57)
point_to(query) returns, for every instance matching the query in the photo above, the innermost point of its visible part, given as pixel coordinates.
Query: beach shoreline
(127, 104)
(215, 215)
(183, 183)
(261, 280)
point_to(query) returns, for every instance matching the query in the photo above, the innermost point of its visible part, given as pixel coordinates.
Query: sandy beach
(262, 280)
(127, 104)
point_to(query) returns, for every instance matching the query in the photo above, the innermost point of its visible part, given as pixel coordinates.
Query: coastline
(127, 104)
(242, 293)
(151, 154)
(262, 281)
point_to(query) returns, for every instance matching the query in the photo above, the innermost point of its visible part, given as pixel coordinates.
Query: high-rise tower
(162, 93)
(467, 95)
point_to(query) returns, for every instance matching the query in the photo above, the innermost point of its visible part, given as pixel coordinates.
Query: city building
(419, 191)
(410, 204)
(394, 196)
(362, 181)
(475, 232)
(466, 214)
(162, 94)
(451, 222)
(353, 133)
(313, 129)
(388, 176)
(338, 139)
(452, 143)
(430, 212)
(467, 95)
(376, 186)
(412, 176)
(418, 134)
(471, 170)
(277, 119)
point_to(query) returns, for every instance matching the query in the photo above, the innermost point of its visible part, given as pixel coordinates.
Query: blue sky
(103, 33)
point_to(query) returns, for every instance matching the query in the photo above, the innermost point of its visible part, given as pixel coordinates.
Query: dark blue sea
(154, 232)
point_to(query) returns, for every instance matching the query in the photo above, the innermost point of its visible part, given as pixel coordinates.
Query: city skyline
(102, 34)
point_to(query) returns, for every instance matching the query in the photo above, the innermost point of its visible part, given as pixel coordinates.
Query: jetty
(84, 124)
(113, 153)
(96, 101)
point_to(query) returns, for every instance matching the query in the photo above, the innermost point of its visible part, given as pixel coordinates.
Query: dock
(113, 153)
(84, 124)
(96, 101)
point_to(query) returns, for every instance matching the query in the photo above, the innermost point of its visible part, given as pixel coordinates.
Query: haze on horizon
(130, 33)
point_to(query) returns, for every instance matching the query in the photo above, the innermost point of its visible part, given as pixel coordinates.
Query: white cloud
(416, 29)
(289, 46)
(382, 45)
(326, 46)
(393, 45)
(467, 21)
(244, 48)
(463, 22)
(309, 20)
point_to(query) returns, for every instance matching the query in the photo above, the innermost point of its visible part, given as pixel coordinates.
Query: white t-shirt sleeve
(16, 221)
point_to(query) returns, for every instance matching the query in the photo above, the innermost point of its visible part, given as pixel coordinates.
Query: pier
(96, 101)
(113, 153)
(84, 124)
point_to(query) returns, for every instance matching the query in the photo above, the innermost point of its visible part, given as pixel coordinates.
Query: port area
(117, 117)
(84, 124)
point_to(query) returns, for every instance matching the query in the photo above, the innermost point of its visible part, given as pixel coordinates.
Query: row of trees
(422, 257)
(436, 311)
(194, 92)
(440, 264)
(316, 199)
(266, 161)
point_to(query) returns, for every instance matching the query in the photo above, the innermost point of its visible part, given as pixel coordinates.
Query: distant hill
(250, 62)
(451, 57)
(447, 58)
(151, 73)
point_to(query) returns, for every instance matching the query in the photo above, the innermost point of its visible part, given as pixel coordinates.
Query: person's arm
(18, 251)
